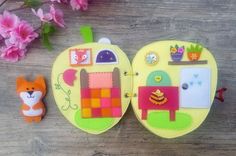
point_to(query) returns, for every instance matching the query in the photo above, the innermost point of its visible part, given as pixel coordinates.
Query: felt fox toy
(31, 94)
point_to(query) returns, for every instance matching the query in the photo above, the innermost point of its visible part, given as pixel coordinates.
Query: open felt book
(170, 84)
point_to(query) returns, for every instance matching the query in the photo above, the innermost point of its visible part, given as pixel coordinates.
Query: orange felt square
(106, 93)
(106, 112)
(95, 93)
(115, 102)
(85, 103)
(86, 113)
(95, 103)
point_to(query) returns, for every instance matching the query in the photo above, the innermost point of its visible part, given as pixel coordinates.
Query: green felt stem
(86, 33)
(67, 95)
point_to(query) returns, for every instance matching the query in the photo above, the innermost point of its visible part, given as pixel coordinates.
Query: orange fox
(31, 94)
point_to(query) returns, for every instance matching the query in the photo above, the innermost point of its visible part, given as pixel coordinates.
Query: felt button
(158, 78)
(185, 86)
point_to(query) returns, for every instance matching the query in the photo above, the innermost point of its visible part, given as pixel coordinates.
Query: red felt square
(105, 102)
(85, 93)
(115, 92)
(116, 112)
(96, 112)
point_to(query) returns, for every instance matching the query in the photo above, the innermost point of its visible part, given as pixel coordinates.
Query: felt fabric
(170, 93)
(158, 78)
(69, 76)
(80, 57)
(31, 94)
(106, 57)
(165, 123)
(86, 33)
(100, 80)
(195, 87)
(101, 102)
(108, 112)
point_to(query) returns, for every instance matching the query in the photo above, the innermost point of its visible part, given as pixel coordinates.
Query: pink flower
(43, 17)
(79, 4)
(57, 16)
(12, 53)
(22, 35)
(8, 22)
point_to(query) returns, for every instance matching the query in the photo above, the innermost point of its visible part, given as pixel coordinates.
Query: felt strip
(187, 62)
(86, 33)
(116, 77)
(83, 79)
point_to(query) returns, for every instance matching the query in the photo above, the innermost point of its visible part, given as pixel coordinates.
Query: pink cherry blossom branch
(3, 2)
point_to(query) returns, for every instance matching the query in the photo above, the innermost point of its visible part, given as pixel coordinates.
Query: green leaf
(47, 30)
(69, 92)
(32, 3)
(67, 99)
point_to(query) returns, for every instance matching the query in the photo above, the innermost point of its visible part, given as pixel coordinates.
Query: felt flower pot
(177, 57)
(194, 56)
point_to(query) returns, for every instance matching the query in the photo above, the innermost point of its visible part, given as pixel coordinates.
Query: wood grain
(131, 24)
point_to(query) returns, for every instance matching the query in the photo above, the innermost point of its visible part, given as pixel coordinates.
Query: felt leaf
(47, 30)
(32, 3)
(86, 33)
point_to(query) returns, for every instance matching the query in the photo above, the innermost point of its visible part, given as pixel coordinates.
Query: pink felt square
(115, 92)
(116, 112)
(96, 112)
(100, 80)
(85, 93)
(106, 102)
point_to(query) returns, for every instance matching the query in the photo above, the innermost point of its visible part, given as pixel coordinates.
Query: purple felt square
(116, 112)
(85, 93)
(106, 102)
(96, 112)
(115, 92)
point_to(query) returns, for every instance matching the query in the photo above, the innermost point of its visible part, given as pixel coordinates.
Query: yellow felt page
(67, 89)
(186, 119)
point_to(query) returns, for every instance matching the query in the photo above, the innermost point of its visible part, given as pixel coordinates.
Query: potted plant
(194, 52)
(176, 53)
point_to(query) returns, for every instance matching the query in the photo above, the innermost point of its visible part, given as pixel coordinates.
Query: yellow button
(158, 78)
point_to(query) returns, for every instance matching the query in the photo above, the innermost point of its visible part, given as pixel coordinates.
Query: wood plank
(131, 25)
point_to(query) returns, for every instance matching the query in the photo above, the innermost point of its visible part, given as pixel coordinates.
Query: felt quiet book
(171, 86)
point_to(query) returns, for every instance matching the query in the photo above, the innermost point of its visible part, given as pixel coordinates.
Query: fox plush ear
(19, 81)
(40, 80)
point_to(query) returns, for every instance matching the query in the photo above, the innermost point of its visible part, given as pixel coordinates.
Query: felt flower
(173, 50)
(57, 16)
(79, 4)
(23, 34)
(69, 76)
(12, 53)
(8, 22)
(181, 50)
(43, 17)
